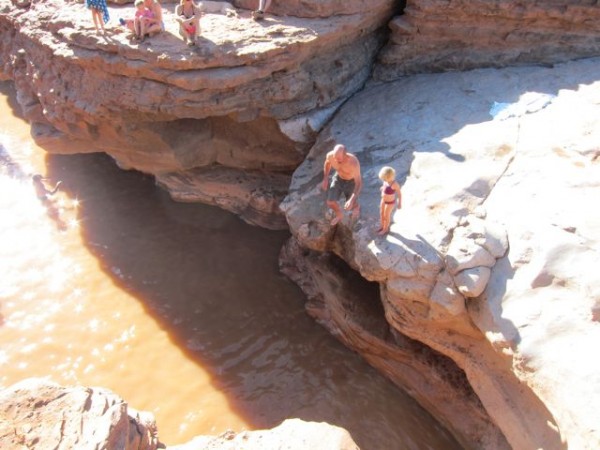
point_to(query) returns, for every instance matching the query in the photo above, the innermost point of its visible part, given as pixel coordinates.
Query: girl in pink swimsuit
(390, 197)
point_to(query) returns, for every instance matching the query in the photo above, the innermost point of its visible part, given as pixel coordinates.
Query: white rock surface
(500, 174)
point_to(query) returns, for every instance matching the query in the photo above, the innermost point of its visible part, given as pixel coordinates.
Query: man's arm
(357, 179)
(326, 170)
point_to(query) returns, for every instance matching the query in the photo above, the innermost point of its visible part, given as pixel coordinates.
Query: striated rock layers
(245, 102)
(491, 262)
(39, 414)
(442, 35)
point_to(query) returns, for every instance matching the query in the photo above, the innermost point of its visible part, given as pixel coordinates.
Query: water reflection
(181, 310)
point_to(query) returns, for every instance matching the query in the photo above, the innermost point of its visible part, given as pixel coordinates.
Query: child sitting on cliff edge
(188, 15)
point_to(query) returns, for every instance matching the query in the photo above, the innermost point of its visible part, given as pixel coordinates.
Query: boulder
(292, 434)
(39, 414)
(36, 413)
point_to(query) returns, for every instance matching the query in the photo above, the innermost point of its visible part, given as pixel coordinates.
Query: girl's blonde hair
(387, 173)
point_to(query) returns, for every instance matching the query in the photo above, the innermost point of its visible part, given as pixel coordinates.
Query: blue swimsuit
(100, 5)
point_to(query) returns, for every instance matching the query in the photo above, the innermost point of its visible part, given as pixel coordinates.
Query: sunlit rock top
(490, 260)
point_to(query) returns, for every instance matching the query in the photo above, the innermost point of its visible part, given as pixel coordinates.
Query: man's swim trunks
(338, 187)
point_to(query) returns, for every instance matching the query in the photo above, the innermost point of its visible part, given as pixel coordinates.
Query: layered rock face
(36, 413)
(489, 261)
(442, 35)
(247, 99)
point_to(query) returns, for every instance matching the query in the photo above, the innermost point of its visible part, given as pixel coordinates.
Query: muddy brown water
(178, 308)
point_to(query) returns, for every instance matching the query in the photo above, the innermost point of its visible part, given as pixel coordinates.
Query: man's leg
(355, 211)
(339, 215)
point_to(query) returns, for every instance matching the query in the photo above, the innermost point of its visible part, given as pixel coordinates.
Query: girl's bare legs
(386, 217)
(98, 20)
(197, 25)
(137, 28)
(95, 19)
(263, 5)
(182, 32)
(143, 27)
(130, 24)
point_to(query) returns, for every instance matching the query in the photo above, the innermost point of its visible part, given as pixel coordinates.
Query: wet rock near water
(292, 434)
(37, 413)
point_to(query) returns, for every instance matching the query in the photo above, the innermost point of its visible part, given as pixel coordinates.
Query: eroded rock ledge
(36, 413)
(442, 35)
(488, 262)
(250, 97)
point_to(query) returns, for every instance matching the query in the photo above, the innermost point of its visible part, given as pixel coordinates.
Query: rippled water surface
(179, 308)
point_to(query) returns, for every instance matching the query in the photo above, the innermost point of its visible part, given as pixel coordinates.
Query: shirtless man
(346, 180)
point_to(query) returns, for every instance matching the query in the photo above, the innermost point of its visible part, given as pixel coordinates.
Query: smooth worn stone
(488, 261)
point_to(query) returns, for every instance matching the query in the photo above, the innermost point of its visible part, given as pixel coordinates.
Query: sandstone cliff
(490, 260)
(442, 35)
(246, 102)
(486, 279)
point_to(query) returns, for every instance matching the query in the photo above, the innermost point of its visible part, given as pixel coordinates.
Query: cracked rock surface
(491, 260)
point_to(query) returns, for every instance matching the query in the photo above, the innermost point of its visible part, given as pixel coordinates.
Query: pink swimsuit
(145, 13)
(389, 190)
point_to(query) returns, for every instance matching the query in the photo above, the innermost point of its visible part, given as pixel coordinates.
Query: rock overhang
(246, 88)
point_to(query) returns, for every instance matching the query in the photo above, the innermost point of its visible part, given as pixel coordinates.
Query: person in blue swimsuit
(99, 13)
(390, 197)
